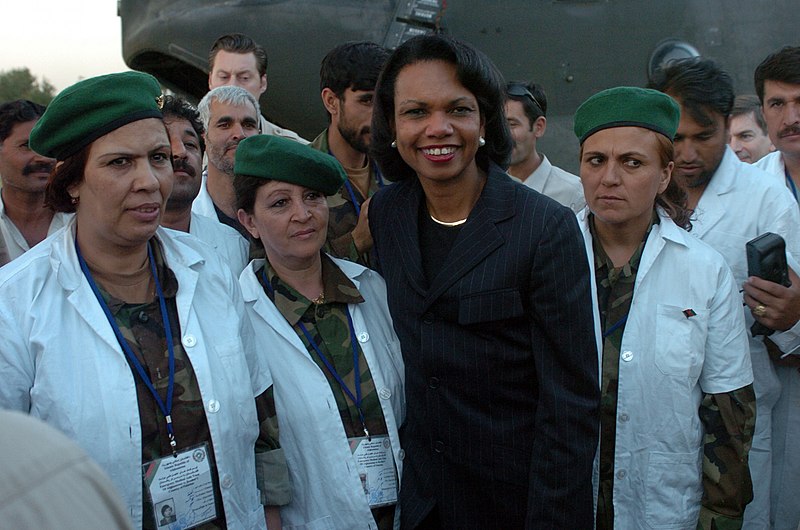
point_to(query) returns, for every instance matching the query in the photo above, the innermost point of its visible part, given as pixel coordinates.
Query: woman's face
(290, 220)
(126, 183)
(622, 174)
(437, 121)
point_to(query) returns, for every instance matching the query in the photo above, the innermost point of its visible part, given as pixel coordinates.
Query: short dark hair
(749, 104)
(699, 84)
(355, 65)
(238, 43)
(177, 107)
(478, 75)
(66, 174)
(17, 111)
(782, 66)
(533, 110)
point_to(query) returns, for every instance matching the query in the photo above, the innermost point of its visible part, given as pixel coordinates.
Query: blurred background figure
(748, 130)
(25, 220)
(526, 112)
(50, 482)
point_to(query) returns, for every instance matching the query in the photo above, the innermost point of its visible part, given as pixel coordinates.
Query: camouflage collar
(338, 288)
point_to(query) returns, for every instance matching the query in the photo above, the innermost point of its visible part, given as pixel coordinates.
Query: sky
(61, 40)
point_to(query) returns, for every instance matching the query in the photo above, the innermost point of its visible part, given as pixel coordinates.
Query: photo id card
(376, 469)
(181, 489)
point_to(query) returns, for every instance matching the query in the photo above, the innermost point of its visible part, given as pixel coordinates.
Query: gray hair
(230, 94)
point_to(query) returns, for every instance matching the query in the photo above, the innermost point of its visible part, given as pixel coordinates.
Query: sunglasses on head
(521, 91)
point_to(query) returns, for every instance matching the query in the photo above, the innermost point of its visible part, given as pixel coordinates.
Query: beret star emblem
(160, 101)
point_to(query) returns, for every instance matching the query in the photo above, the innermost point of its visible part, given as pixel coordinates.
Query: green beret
(91, 108)
(627, 107)
(275, 158)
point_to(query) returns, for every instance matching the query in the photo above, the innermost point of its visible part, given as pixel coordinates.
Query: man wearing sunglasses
(526, 111)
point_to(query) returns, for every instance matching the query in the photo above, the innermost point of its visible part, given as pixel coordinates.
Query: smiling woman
(332, 349)
(131, 339)
(490, 296)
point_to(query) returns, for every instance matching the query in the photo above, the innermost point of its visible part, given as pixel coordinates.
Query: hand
(361, 234)
(781, 304)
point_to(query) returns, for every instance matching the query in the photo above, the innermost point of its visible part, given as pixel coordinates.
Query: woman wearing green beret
(324, 328)
(132, 339)
(677, 407)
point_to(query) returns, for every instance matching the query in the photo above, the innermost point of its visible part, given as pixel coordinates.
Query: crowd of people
(414, 321)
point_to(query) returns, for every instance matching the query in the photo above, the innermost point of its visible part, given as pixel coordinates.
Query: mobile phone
(766, 258)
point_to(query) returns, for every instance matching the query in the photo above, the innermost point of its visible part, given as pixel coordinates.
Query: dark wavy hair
(478, 75)
(67, 173)
(782, 66)
(699, 85)
(673, 199)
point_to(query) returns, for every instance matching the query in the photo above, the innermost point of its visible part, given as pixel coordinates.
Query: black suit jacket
(501, 363)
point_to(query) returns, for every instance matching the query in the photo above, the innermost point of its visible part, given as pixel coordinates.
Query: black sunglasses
(521, 91)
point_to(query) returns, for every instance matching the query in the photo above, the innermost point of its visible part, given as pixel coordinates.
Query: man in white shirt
(777, 81)
(24, 218)
(734, 202)
(235, 59)
(185, 135)
(229, 114)
(749, 138)
(526, 111)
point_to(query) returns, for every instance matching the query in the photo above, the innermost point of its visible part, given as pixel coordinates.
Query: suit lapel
(479, 236)
(404, 212)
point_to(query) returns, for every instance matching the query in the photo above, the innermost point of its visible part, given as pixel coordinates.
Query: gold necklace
(320, 299)
(445, 223)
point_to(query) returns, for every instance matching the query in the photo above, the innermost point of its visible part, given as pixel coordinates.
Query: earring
(481, 141)
(73, 200)
(394, 144)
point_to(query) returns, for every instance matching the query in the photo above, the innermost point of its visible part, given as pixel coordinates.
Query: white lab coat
(667, 362)
(327, 490)
(740, 203)
(231, 246)
(60, 362)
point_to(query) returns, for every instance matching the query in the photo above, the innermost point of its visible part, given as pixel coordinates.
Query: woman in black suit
(489, 290)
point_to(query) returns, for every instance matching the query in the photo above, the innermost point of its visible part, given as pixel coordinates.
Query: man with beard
(24, 218)
(229, 114)
(526, 113)
(347, 82)
(734, 202)
(185, 136)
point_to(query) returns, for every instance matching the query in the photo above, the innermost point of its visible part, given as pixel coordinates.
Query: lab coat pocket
(238, 376)
(323, 523)
(674, 490)
(680, 339)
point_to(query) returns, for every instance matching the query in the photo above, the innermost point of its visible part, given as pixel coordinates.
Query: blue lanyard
(615, 326)
(165, 410)
(349, 187)
(790, 182)
(356, 399)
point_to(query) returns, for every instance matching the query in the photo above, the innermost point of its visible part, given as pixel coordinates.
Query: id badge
(376, 469)
(181, 489)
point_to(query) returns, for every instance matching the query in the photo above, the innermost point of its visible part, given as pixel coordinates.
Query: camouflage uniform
(328, 326)
(4, 258)
(343, 216)
(143, 329)
(729, 418)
